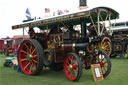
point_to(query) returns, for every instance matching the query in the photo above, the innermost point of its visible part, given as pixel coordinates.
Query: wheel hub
(102, 64)
(29, 57)
(70, 66)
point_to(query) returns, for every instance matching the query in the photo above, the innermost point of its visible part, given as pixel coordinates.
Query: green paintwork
(9, 59)
(28, 57)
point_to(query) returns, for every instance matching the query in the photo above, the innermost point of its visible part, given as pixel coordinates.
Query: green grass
(118, 76)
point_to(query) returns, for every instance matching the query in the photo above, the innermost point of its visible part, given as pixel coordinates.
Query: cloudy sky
(12, 12)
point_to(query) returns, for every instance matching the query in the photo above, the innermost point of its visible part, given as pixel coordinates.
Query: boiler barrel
(74, 47)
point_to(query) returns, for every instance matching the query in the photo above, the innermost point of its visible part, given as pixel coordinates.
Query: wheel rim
(118, 47)
(106, 46)
(102, 60)
(71, 67)
(27, 58)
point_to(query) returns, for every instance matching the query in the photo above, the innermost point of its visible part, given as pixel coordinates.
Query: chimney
(83, 4)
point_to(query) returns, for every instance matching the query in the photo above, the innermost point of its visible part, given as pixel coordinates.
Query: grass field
(118, 76)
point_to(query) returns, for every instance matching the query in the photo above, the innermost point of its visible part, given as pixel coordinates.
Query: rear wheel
(72, 67)
(103, 59)
(30, 57)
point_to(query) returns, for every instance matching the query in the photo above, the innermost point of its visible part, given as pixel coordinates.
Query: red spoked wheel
(103, 59)
(72, 67)
(30, 57)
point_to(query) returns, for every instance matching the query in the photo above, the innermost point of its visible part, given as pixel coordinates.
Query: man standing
(83, 4)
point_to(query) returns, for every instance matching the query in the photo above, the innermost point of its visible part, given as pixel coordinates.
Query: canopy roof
(74, 18)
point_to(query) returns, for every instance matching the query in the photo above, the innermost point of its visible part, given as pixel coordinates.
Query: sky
(12, 12)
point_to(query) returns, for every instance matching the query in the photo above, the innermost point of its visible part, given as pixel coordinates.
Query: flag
(60, 12)
(28, 15)
(47, 10)
(66, 11)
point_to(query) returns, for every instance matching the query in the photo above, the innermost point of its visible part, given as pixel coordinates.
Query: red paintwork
(66, 71)
(1, 45)
(23, 61)
(68, 48)
(7, 45)
(11, 46)
(16, 42)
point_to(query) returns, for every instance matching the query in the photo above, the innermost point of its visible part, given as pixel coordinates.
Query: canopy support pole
(98, 23)
(23, 33)
(93, 24)
(111, 31)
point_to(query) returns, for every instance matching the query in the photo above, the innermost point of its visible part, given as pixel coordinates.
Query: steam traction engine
(120, 40)
(60, 45)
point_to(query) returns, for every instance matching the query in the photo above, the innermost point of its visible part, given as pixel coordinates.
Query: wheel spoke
(26, 46)
(23, 59)
(75, 63)
(68, 62)
(102, 44)
(33, 51)
(24, 52)
(34, 56)
(75, 72)
(27, 65)
(30, 48)
(104, 69)
(106, 46)
(107, 49)
(105, 62)
(69, 70)
(34, 61)
(30, 70)
(71, 59)
(34, 66)
(71, 74)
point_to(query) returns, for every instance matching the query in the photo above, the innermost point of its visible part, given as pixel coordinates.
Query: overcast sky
(12, 12)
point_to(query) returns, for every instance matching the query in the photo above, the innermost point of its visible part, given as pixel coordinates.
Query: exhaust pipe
(83, 4)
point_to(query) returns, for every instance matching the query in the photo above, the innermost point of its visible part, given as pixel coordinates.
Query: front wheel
(105, 45)
(72, 67)
(103, 59)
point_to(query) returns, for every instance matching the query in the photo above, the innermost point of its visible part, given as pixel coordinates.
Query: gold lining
(73, 47)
